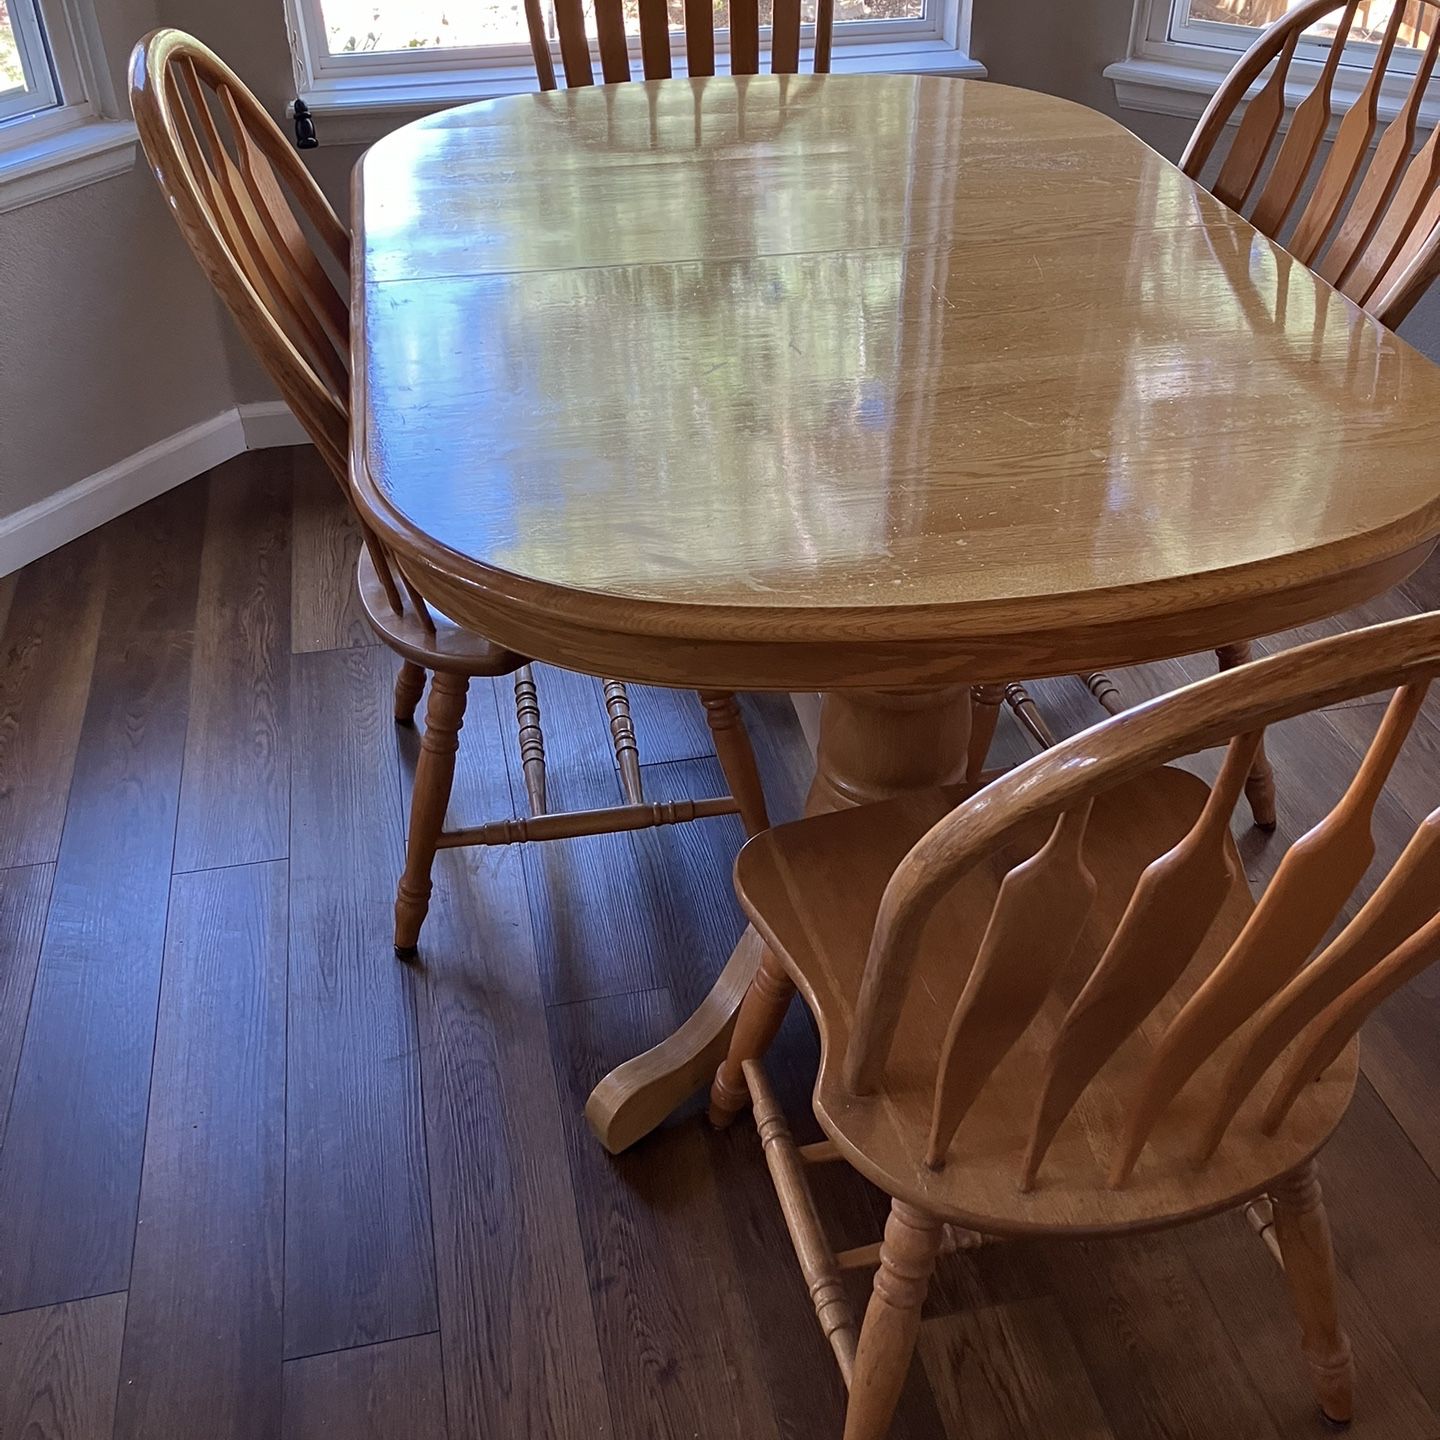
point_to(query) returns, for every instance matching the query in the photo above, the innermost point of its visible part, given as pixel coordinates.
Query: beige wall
(111, 341)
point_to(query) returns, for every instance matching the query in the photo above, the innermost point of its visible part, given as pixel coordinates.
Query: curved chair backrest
(239, 193)
(1382, 248)
(700, 28)
(1263, 977)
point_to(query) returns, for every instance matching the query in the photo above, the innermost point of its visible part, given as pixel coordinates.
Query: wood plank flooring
(259, 1182)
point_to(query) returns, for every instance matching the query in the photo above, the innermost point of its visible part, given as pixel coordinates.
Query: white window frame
(359, 97)
(80, 136)
(1174, 69)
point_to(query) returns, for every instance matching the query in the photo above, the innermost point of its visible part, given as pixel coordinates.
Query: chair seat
(448, 647)
(813, 888)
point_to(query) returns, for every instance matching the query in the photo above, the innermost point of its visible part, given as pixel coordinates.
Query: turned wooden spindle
(737, 758)
(434, 775)
(1028, 713)
(817, 1260)
(1302, 1231)
(892, 1319)
(622, 737)
(1102, 687)
(532, 738)
(409, 687)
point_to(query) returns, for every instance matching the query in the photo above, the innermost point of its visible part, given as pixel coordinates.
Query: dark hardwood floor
(259, 1180)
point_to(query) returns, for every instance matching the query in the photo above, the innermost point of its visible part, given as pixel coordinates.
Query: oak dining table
(879, 386)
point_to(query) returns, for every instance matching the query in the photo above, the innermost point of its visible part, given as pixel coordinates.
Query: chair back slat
(540, 44)
(824, 35)
(614, 45)
(1369, 226)
(305, 311)
(1402, 219)
(656, 58)
(1402, 905)
(331, 306)
(1034, 926)
(239, 192)
(1409, 275)
(228, 208)
(655, 39)
(1347, 153)
(744, 37)
(1338, 1024)
(785, 37)
(1241, 167)
(1255, 1013)
(1381, 175)
(1302, 139)
(574, 43)
(1174, 905)
(700, 36)
(1310, 887)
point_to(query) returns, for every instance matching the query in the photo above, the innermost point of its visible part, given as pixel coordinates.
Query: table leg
(873, 744)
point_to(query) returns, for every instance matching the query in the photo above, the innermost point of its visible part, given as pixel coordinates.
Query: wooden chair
(655, 56)
(1371, 227)
(241, 196)
(1056, 1010)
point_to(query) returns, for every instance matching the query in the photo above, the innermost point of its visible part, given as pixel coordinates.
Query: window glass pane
(359, 26)
(12, 71)
(1371, 17)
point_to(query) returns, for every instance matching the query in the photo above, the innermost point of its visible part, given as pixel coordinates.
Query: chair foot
(1260, 792)
(1303, 1231)
(409, 686)
(407, 952)
(1260, 787)
(434, 775)
(761, 1014)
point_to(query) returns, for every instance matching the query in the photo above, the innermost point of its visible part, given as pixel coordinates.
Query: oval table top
(858, 380)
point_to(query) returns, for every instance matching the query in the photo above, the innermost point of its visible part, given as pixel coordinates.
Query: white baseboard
(79, 508)
(269, 424)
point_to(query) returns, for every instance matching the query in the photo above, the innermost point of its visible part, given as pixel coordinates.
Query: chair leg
(737, 760)
(434, 774)
(409, 686)
(762, 1012)
(1303, 1231)
(622, 738)
(532, 738)
(985, 702)
(1260, 787)
(892, 1320)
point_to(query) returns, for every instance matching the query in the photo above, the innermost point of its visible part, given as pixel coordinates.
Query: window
(59, 125)
(27, 79)
(1182, 48)
(398, 55)
(1234, 24)
(351, 30)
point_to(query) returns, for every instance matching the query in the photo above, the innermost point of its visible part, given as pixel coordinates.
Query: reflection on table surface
(856, 341)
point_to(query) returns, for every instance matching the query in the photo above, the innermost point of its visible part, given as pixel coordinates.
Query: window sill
(1164, 85)
(359, 110)
(52, 164)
